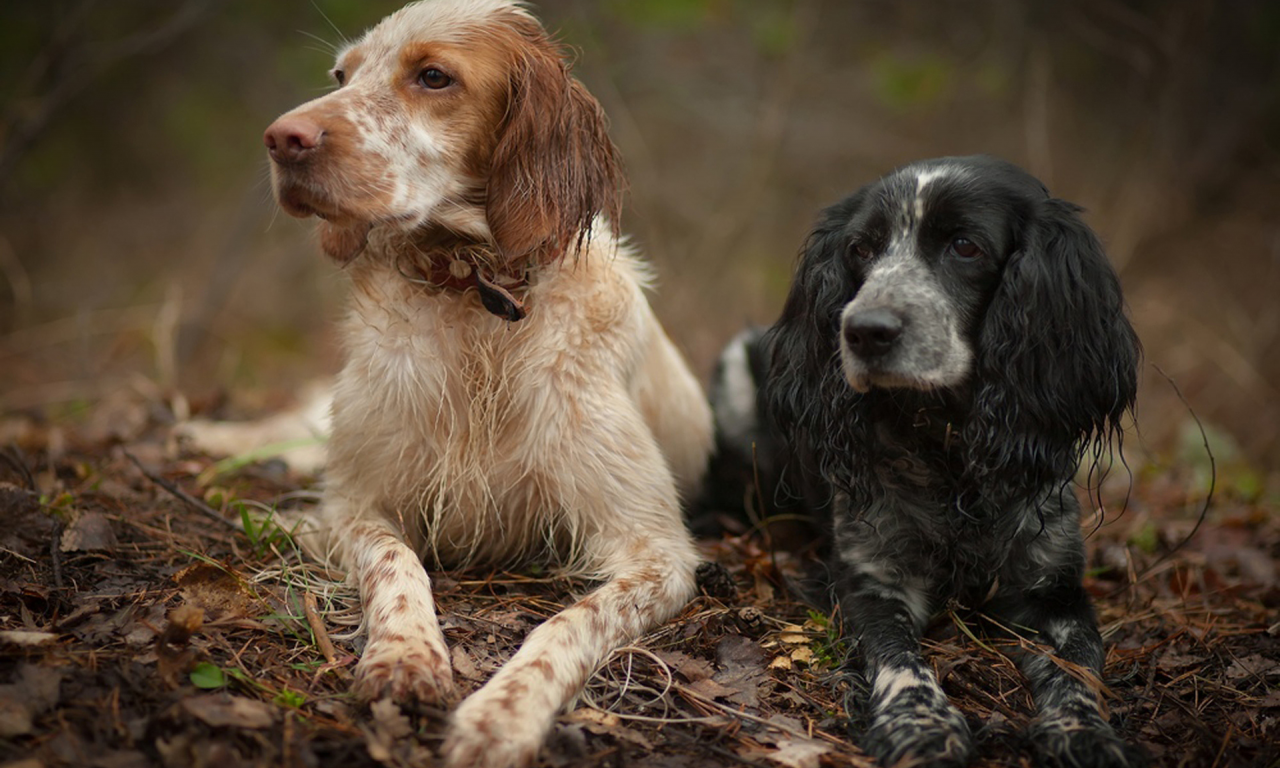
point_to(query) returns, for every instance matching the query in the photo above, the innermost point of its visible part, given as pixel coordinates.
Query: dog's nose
(292, 139)
(872, 333)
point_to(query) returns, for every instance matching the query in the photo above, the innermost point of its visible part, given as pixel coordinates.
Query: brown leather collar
(462, 268)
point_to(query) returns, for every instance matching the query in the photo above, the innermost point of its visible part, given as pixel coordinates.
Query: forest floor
(142, 623)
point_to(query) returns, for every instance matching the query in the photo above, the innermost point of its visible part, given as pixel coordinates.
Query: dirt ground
(142, 624)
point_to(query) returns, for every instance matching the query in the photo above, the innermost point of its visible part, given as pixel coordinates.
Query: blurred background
(141, 254)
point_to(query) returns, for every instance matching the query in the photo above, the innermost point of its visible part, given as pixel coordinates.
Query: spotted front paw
(925, 734)
(405, 670)
(1081, 742)
(486, 732)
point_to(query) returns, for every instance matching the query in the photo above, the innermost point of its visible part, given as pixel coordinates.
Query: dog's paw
(1081, 742)
(482, 735)
(928, 735)
(405, 670)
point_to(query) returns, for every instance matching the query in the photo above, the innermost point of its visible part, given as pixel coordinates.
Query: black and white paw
(1073, 742)
(932, 735)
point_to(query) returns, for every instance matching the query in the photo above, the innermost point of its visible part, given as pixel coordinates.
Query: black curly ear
(1057, 360)
(804, 384)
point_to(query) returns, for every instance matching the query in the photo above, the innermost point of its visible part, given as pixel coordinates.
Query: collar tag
(499, 300)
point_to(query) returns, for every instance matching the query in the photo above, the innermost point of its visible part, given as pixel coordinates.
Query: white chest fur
(457, 424)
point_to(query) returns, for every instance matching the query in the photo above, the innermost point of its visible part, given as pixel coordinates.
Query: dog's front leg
(505, 722)
(611, 486)
(1070, 729)
(912, 722)
(405, 656)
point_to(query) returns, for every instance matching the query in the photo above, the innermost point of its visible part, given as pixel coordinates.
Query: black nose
(872, 333)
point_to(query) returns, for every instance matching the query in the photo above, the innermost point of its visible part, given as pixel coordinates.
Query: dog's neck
(919, 445)
(445, 261)
(924, 442)
(934, 418)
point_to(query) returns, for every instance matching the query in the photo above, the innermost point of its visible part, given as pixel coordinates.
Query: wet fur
(458, 437)
(947, 461)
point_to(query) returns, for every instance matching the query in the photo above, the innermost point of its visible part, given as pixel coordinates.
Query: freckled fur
(567, 438)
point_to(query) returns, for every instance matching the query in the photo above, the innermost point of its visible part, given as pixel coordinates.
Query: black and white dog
(954, 344)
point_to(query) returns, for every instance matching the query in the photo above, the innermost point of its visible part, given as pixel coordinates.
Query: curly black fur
(1055, 359)
(954, 345)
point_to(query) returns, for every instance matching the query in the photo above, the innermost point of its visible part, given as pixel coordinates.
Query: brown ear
(344, 242)
(554, 167)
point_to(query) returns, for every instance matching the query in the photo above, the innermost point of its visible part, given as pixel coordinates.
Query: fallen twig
(55, 555)
(182, 495)
(317, 627)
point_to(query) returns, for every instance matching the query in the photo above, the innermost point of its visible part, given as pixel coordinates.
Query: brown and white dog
(508, 395)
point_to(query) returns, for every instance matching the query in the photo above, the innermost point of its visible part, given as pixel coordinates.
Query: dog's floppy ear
(804, 383)
(554, 167)
(1057, 361)
(804, 340)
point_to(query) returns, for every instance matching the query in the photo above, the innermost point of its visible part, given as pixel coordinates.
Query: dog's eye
(862, 251)
(965, 249)
(434, 79)
(340, 77)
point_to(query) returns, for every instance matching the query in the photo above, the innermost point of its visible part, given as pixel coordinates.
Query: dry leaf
(686, 666)
(742, 669)
(221, 592)
(596, 716)
(15, 501)
(24, 638)
(799, 753)
(802, 655)
(174, 656)
(90, 532)
(1253, 666)
(1171, 661)
(604, 723)
(463, 666)
(710, 689)
(225, 710)
(35, 690)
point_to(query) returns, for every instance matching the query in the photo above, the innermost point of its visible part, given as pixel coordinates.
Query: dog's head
(963, 275)
(460, 114)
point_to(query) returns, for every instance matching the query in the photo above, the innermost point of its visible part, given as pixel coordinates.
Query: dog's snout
(872, 333)
(293, 138)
